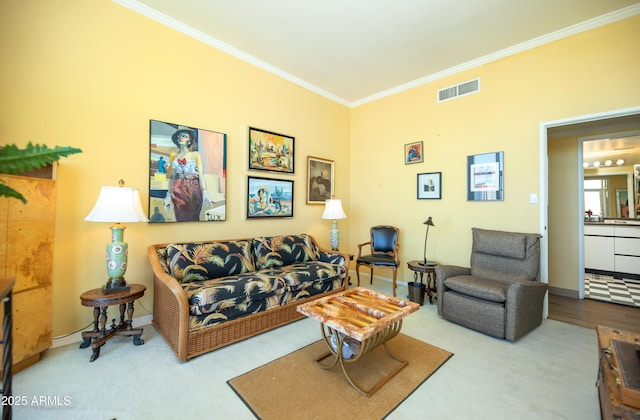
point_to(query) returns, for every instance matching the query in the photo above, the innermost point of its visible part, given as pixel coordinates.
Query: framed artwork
(319, 180)
(485, 177)
(187, 173)
(268, 197)
(271, 151)
(413, 152)
(430, 185)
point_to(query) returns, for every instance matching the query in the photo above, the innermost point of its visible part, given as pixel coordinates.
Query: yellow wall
(563, 214)
(588, 73)
(92, 74)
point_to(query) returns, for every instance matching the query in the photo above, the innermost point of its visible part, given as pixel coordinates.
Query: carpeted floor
(548, 374)
(294, 385)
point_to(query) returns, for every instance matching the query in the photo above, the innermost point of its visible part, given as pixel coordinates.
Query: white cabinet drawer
(626, 264)
(598, 253)
(627, 246)
(630, 232)
(600, 230)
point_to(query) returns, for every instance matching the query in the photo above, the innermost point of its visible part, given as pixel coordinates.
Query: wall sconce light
(333, 211)
(117, 204)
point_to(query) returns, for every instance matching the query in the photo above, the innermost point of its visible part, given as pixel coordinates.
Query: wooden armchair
(384, 246)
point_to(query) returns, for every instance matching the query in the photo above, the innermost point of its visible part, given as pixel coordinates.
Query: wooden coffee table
(355, 322)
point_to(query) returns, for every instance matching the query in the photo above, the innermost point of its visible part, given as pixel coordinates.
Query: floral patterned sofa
(212, 293)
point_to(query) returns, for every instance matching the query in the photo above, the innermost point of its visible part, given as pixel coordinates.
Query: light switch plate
(533, 198)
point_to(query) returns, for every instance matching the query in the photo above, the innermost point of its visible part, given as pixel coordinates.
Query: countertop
(616, 222)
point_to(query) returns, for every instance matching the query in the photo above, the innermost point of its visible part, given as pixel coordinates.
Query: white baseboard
(365, 276)
(77, 336)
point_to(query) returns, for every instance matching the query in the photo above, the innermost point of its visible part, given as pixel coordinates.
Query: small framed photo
(485, 177)
(270, 151)
(319, 180)
(268, 197)
(413, 152)
(430, 186)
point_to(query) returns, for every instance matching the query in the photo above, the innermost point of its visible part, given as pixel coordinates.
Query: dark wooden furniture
(6, 294)
(430, 270)
(611, 374)
(383, 245)
(100, 302)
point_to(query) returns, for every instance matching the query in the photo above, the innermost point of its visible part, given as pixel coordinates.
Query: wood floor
(589, 313)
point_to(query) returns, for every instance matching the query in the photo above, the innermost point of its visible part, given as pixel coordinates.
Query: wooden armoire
(26, 255)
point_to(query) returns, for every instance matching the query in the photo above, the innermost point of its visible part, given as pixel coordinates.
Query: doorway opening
(562, 207)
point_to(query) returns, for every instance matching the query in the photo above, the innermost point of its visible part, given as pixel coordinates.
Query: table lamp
(333, 211)
(428, 222)
(116, 205)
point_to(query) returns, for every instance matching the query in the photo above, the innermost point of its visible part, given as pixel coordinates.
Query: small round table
(100, 301)
(430, 269)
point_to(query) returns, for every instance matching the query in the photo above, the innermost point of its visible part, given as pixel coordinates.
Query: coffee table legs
(364, 347)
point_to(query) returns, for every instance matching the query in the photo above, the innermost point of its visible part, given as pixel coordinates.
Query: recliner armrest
(445, 271)
(524, 306)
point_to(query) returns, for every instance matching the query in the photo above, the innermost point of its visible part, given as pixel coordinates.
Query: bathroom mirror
(612, 177)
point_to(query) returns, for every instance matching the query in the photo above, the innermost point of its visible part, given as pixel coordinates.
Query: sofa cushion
(278, 251)
(478, 287)
(241, 309)
(303, 275)
(214, 295)
(209, 260)
(313, 289)
(502, 244)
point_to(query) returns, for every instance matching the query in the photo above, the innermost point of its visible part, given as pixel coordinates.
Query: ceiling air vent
(466, 88)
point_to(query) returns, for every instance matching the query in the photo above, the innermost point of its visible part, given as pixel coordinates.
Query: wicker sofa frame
(171, 313)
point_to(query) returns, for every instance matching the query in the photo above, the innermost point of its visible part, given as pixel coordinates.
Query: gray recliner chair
(500, 294)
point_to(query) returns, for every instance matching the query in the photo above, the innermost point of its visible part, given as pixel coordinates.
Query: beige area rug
(294, 387)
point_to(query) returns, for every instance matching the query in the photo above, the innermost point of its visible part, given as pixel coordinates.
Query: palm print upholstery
(230, 279)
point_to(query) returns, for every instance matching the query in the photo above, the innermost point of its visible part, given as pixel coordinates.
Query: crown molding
(524, 46)
(172, 23)
(587, 25)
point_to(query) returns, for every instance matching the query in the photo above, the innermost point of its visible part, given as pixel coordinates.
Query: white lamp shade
(333, 210)
(117, 204)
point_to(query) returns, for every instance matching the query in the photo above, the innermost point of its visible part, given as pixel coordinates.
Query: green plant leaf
(6, 191)
(16, 161)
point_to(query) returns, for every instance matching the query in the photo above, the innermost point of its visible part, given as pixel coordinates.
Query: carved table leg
(122, 306)
(137, 338)
(86, 336)
(103, 321)
(129, 316)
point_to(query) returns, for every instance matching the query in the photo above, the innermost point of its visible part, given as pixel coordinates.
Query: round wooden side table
(100, 301)
(430, 270)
